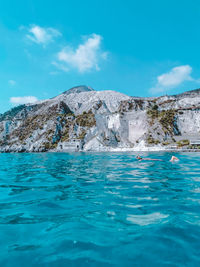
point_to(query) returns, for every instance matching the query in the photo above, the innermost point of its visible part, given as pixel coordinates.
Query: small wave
(147, 219)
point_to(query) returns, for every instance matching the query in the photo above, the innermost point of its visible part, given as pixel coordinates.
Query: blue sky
(140, 48)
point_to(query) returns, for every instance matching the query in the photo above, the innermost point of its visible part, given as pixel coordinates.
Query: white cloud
(60, 66)
(173, 78)
(12, 82)
(85, 57)
(23, 100)
(42, 35)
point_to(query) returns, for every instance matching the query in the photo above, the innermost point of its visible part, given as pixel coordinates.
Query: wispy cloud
(17, 100)
(12, 82)
(41, 35)
(84, 58)
(173, 78)
(60, 66)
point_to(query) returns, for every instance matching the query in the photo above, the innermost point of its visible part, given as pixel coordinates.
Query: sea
(99, 209)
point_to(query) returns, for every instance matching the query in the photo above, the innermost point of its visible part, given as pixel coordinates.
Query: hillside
(82, 119)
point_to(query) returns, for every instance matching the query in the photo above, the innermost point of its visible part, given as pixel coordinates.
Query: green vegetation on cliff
(165, 117)
(86, 119)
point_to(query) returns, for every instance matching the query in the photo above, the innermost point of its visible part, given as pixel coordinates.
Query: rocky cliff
(84, 119)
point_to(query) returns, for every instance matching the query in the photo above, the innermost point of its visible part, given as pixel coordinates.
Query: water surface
(99, 209)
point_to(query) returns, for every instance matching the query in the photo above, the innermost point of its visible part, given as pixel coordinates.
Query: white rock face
(137, 126)
(82, 119)
(189, 101)
(94, 145)
(189, 122)
(114, 121)
(84, 101)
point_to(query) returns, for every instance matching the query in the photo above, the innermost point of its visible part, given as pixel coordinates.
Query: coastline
(105, 150)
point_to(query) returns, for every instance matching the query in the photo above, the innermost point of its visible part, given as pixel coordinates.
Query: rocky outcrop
(88, 120)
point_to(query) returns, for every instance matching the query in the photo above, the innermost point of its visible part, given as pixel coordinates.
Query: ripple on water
(153, 218)
(99, 209)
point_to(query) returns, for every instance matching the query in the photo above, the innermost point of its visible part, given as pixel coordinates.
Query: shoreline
(106, 150)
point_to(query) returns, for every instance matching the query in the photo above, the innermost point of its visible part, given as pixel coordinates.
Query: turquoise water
(99, 209)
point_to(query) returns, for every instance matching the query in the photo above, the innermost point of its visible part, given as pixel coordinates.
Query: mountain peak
(78, 89)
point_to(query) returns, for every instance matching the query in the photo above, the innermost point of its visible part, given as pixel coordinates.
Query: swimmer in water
(140, 158)
(173, 158)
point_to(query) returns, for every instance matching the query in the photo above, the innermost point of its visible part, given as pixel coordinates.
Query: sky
(139, 48)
